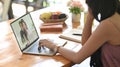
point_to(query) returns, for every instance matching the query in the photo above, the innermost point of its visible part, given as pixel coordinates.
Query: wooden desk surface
(11, 56)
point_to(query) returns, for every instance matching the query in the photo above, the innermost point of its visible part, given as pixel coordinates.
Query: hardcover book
(51, 27)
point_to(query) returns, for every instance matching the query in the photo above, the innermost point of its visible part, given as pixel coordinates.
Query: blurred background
(15, 8)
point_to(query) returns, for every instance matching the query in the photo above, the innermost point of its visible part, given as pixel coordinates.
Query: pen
(77, 34)
(65, 43)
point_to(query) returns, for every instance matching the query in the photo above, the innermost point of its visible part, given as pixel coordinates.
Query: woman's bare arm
(95, 41)
(87, 27)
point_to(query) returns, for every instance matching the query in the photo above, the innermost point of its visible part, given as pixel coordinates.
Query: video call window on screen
(24, 31)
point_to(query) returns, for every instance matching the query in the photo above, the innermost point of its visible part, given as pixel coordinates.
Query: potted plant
(75, 8)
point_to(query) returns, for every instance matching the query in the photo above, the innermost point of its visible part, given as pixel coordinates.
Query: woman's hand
(47, 43)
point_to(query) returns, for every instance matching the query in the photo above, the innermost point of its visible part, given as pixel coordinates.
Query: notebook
(27, 36)
(73, 35)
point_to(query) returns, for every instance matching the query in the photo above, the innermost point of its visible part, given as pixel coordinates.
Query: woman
(24, 31)
(104, 42)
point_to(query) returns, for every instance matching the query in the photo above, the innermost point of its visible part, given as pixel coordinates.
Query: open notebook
(73, 35)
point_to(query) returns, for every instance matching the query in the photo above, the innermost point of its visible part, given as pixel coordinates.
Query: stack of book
(52, 27)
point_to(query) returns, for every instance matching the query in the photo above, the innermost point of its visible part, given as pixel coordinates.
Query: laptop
(27, 36)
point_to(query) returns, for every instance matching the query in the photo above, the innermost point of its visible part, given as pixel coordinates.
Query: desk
(11, 56)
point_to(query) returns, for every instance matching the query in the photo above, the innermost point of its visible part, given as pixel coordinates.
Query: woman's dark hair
(106, 8)
(22, 21)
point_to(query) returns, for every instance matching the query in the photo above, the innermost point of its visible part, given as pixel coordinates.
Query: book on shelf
(51, 27)
(72, 35)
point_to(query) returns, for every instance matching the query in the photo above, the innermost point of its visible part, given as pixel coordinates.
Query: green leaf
(75, 10)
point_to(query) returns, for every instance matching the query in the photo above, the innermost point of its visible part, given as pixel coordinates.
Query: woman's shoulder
(108, 29)
(106, 22)
(105, 25)
(111, 23)
(105, 28)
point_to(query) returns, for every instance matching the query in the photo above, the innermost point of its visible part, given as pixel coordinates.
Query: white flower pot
(76, 20)
(76, 17)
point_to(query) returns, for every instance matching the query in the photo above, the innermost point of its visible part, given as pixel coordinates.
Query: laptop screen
(24, 31)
